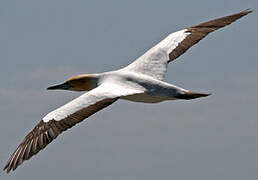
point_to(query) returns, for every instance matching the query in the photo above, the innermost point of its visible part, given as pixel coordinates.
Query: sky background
(45, 42)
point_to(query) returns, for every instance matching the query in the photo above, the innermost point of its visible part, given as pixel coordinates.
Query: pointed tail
(191, 95)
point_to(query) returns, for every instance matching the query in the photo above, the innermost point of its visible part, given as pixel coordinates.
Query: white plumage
(141, 81)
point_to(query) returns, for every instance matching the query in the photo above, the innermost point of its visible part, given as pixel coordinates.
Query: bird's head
(83, 82)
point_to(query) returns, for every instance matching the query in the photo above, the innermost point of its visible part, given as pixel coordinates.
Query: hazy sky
(46, 42)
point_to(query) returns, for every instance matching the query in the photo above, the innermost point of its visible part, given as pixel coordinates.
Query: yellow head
(83, 82)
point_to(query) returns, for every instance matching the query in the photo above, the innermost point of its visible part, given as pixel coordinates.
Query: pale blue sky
(46, 42)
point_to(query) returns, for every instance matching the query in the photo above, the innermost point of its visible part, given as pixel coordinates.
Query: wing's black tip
(248, 10)
(6, 168)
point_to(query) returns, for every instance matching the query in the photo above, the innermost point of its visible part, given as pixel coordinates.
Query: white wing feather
(154, 62)
(104, 91)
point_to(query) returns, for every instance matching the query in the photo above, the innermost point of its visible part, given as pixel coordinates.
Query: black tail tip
(192, 95)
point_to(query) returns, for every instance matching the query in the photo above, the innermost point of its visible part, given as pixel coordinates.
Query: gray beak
(64, 86)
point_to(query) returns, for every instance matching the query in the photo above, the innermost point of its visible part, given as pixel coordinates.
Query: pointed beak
(64, 86)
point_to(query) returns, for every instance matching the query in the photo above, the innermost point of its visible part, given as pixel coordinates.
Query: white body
(151, 90)
(141, 81)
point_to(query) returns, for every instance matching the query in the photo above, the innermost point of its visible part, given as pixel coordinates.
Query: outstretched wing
(64, 118)
(154, 62)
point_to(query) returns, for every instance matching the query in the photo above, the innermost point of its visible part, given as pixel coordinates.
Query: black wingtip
(248, 10)
(6, 167)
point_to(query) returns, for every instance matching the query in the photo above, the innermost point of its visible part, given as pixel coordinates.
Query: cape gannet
(141, 81)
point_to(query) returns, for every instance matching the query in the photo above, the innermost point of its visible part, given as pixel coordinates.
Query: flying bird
(140, 81)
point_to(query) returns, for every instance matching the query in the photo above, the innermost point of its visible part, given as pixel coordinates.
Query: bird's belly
(147, 98)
